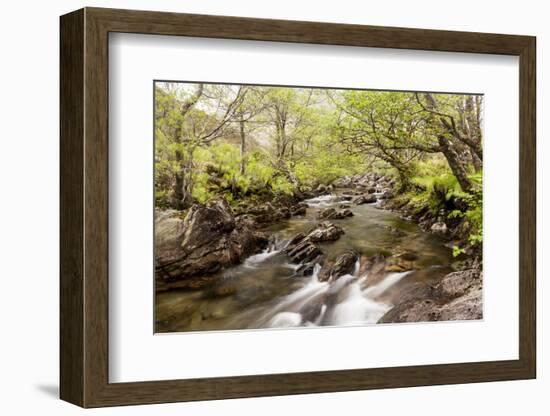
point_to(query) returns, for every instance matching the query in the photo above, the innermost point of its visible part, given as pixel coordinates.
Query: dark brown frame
(84, 209)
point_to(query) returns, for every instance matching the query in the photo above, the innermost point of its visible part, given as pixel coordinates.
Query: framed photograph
(255, 207)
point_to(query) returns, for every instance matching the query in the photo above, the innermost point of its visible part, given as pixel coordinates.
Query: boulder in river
(365, 199)
(302, 248)
(295, 240)
(298, 209)
(304, 252)
(343, 198)
(207, 240)
(321, 189)
(307, 269)
(334, 214)
(344, 182)
(386, 194)
(344, 264)
(267, 213)
(439, 228)
(325, 231)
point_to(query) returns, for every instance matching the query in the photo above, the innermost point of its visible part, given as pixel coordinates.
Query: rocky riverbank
(189, 251)
(458, 295)
(194, 248)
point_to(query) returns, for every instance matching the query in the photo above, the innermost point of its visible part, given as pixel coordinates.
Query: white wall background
(29, 210)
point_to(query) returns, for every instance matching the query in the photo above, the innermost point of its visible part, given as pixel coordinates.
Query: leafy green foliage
(288, 140)
(437, 190)
(473, 215)
(247, 143)
(457, 251)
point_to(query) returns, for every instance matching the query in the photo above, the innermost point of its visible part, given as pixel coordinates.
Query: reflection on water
(265, 292)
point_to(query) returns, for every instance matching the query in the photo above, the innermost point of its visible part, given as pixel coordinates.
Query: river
(265, 292)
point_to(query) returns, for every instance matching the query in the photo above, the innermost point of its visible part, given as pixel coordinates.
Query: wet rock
(401, 262)
(342, 198)
(294, 241)
(304, 252)
(364, 199)
(283, 213)
(332, 213)
(466, 307)
(458, 296)
(344, 264)
(386, 194)
(345, 213)
(396, 267)
(321, 189)
(207, 240)
(307, 193)
(312, 310)
(266, 213)
(299, 209)
(306, 269)
(439, 228)
(302, 248)
(326, 213)
(459, 283)
(371, 190)
(413, 311)
(325, 231)
(344, 182)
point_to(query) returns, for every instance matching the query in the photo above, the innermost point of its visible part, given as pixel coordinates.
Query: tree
(188, 120)
(252, 105)
(237, 141)
(292, 114)
(453, 134)
(386, 126)
(400, 128)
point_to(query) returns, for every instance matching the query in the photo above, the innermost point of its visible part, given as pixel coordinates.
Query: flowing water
(266, 292)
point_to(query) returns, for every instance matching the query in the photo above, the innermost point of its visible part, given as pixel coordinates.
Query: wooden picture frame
(84, 207)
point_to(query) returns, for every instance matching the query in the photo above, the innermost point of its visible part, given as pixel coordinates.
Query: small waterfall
(321, 201)
(337, 285)
(313, 290)
(316, 271)
(285, 320)
(356, 309)
(319, 319)
(337, 303)
(356, 267)
(274, 246)
(389, 280)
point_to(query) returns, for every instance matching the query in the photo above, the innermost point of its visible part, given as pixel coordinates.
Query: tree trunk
(448, 150)
(456, 165)
(183, 186)
(404, 179)
(476, 161)
(182, 198)
(243, 146)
